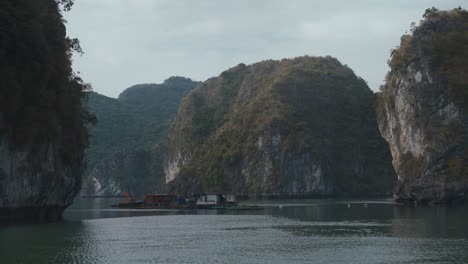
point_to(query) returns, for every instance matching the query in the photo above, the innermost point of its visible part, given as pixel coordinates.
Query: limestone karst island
(233, 131)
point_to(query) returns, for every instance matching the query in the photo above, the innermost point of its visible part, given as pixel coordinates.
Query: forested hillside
(127, 131)
(297, 126)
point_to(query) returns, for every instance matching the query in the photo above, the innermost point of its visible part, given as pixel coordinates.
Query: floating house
(160, 200)
(215, 199)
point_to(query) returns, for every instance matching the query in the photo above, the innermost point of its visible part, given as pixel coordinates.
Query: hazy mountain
(130, 126)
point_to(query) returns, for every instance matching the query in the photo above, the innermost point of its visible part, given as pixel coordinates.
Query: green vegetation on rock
(138, 119)
(441, 40)
(41, 96)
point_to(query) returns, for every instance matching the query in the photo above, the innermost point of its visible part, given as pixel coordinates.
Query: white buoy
(349, 205)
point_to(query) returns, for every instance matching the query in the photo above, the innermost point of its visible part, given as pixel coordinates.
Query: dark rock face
(422, 110)
(35, 186)
(300, 126)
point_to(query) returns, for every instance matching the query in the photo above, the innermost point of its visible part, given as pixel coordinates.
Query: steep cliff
(122, 155)
(42, 122)
(296, 126)
(136, 171)
(422, 109)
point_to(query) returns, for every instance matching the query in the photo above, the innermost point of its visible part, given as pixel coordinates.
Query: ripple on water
(246, 239)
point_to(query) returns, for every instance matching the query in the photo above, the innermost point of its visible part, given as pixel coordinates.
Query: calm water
(291, 231)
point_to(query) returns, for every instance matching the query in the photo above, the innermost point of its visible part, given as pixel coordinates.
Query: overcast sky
(127, 42)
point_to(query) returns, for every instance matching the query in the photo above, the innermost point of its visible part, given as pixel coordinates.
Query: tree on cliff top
(66, 4)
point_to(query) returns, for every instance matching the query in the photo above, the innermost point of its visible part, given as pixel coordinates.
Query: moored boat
(129, 202)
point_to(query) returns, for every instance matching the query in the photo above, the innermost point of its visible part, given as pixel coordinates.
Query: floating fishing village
(215, 201)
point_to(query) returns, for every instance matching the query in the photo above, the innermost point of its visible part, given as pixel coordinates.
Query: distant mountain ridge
(129, 127)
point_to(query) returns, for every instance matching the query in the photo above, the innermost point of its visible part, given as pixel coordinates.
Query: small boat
(129, 202)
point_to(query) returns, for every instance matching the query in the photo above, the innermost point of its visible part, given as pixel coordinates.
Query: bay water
(286, 231)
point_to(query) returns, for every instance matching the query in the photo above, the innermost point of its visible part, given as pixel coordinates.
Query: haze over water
(287, 231)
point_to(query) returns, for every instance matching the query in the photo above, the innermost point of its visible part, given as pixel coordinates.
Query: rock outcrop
(35, 184)
(42, 122)
(301, 126)
(422, 109)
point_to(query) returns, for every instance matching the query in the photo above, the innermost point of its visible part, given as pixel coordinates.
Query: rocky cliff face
(35, 185)
(136, 171)
(422, 109)
(295, 126)
(42, 122)
(123, 153)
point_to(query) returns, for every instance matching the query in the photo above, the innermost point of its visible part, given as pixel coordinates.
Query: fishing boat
(129, 202)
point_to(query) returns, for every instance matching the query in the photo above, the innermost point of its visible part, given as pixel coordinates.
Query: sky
(129, 42)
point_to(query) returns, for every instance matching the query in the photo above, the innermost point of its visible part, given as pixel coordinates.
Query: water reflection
(386, 218)
(40, 244)
(337, 211)
(393, 219)
(430, 222)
